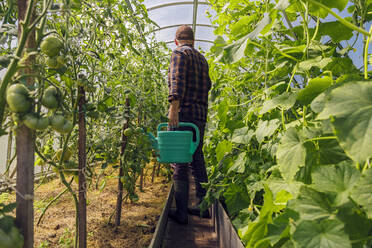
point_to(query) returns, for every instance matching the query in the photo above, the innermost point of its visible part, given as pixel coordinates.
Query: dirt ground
(138, 221)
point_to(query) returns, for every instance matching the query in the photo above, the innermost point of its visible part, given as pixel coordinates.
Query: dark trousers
(197, 166)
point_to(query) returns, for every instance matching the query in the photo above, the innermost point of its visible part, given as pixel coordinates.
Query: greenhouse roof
(170, 14)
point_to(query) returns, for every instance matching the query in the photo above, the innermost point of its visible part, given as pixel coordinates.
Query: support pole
(121, 170)
(25, 143)
(82, 213)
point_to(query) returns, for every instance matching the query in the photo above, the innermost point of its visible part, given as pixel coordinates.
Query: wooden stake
(82, 213)
(121, 170)
(25, 143)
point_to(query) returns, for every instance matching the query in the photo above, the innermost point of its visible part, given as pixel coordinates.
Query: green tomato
(57, 122)
(17, 97)
(50, 98)
(67, 127)
(128, 132)
(51, 46)
(35, 122)
(52, 63)
(61, 124)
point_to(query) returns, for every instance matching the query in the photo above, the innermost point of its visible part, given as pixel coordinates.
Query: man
(189, 84)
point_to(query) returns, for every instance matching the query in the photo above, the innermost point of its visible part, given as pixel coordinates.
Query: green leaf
(236, 198)
(242, 24)
(236, 51)
(280, 227)
(284, 101)
(350, 106)
(254, 232)
(319, 62)
(222, 149)
(242, 135)
(8, 208)
(266, 129)
(278, 185)
(339, 4)
(336, 30)
(239, 164)
(331, 152)
(222, 111)
(291, 154)
(338, 179)
(282, 4)
(313, 89)
(362, 193)
(311, 204)
(321, 234)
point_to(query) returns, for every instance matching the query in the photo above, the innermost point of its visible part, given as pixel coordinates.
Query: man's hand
(173, 114)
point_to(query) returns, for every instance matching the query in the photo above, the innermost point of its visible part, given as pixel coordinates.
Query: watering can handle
(195, 144)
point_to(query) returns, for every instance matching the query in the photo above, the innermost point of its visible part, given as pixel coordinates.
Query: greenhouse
(182, 124)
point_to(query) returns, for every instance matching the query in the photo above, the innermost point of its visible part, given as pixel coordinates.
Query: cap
(184, 33)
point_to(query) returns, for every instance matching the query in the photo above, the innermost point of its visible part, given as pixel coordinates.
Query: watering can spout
(153, 140)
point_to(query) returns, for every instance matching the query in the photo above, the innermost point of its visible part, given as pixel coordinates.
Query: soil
(138, 220)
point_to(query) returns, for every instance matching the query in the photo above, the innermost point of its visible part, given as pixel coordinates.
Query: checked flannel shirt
(189, 82)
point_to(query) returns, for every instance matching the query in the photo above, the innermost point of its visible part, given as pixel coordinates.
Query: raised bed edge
(162, 223)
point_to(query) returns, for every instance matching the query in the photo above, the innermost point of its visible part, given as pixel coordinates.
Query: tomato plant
(99, 46)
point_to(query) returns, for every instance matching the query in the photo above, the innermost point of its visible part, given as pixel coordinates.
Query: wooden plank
(162, 223)
(226, 232)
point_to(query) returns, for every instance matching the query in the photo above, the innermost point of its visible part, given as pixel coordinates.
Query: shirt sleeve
(177, 76)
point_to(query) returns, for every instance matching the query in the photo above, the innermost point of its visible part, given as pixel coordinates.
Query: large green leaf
(222, 149)
(236, 198)
(254, 232)
(362, 193)
(336, 30)
(242, 135)
(291, 154)
(284, 101)
(331, 152)
(313, 89)
(311, 204)
(236, 51)
(242, 24)
(321, 234)
(277, 185)
(239, 164)
(338, 179)
(350, 106)
(266, 129)
(319, 62)
(282, 4)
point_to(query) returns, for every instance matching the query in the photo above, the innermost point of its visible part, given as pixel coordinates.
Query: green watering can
(175, 146)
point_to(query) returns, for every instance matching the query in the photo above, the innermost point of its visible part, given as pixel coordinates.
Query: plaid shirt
(189, 82)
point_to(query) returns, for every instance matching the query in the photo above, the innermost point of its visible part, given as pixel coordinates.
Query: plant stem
(342, 20)
(321, 138)
(366, 54)
(51, 202)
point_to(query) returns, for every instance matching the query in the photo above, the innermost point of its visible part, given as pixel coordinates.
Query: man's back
(189, 82)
